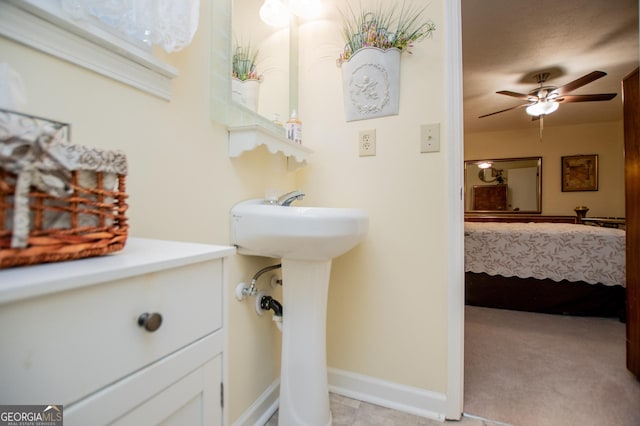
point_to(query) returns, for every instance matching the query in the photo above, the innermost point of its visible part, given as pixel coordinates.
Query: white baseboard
(263, 408)
(403, 398)
(408, 399)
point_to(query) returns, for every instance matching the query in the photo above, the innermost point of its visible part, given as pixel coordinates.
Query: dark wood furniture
(607, 222)
(490, 197)
(545, 296)
(522, 218)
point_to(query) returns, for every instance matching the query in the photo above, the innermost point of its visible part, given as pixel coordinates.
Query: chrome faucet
(290, 197)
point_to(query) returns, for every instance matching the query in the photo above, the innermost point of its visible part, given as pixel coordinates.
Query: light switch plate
(430, 137)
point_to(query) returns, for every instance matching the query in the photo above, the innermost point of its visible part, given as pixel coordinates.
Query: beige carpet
(531, 369)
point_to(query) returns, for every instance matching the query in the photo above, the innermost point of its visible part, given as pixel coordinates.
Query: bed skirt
(545, 296)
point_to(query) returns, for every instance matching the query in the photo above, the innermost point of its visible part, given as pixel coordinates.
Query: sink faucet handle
(290, 197)
(271, 197)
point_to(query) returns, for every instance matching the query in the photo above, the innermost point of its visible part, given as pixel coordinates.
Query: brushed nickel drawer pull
(150, 322)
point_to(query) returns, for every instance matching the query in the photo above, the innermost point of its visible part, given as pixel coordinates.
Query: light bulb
(274, 13)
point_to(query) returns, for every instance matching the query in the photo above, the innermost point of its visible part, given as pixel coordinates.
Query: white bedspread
(558, 251)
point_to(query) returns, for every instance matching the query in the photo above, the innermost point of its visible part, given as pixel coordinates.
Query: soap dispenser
(294, 128)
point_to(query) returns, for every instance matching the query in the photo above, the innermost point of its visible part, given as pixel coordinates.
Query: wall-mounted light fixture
(276, 13)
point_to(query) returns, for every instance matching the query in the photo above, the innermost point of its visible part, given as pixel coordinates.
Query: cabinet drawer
(70, 344)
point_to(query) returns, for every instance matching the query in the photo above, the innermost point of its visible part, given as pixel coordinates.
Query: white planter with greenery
(246, 92)
(371, 83)
(370, 60)
(245, 79)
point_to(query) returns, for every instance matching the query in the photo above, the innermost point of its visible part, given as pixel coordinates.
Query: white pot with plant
(245, 79)
(370, 61)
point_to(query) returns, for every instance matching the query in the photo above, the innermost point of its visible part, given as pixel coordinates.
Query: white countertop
(139, 256)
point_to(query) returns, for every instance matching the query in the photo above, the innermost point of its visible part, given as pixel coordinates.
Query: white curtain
(168, 23)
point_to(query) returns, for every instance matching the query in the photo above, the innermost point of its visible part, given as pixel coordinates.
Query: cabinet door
(632, 207)
(193, 400)
(181, 389)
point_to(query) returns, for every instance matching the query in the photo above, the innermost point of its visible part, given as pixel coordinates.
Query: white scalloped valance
(167, 23)
(247, 138)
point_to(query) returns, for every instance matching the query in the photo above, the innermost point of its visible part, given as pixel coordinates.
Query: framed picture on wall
(580, 173)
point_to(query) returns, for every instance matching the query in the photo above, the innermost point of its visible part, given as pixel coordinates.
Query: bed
(549, 267)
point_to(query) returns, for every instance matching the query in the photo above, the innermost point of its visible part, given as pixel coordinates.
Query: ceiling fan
(544, 100)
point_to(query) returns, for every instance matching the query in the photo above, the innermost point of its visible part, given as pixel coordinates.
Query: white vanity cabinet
(73, 333)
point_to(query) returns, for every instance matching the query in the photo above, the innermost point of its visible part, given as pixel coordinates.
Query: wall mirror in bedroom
(503, 185)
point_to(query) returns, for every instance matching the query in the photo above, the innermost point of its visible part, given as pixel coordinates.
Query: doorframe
(455, 209)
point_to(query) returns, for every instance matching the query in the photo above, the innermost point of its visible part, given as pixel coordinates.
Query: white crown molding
(84, 45)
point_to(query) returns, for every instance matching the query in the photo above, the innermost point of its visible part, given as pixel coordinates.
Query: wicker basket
(89, 220)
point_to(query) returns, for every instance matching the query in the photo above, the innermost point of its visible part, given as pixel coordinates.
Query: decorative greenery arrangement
(244, 62)
(384, 29)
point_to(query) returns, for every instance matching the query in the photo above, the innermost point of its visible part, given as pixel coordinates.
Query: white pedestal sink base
(304, 392)
(306, 239)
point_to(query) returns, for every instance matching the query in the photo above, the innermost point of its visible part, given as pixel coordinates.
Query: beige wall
(604, 139)
(388, 298)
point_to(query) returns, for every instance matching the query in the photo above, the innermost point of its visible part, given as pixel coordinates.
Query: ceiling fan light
(542, 108)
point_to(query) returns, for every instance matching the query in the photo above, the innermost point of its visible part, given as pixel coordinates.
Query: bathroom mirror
(239, 19)
(273, 57)
(506, 185)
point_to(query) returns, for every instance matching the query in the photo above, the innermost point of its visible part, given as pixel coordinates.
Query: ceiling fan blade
(586, 79)
(587, 98)
(516, 94)
(504, 110)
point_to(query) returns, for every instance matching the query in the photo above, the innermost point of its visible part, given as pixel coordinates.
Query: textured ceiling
(506, 42)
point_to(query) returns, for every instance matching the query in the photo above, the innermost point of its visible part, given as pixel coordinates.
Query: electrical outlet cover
(367, 143)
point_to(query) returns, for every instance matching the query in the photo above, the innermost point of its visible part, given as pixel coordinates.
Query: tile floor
(351, 412)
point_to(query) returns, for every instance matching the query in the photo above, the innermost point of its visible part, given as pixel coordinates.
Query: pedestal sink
(306, 239)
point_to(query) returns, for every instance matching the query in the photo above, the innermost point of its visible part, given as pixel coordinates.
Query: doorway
(457, 295)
